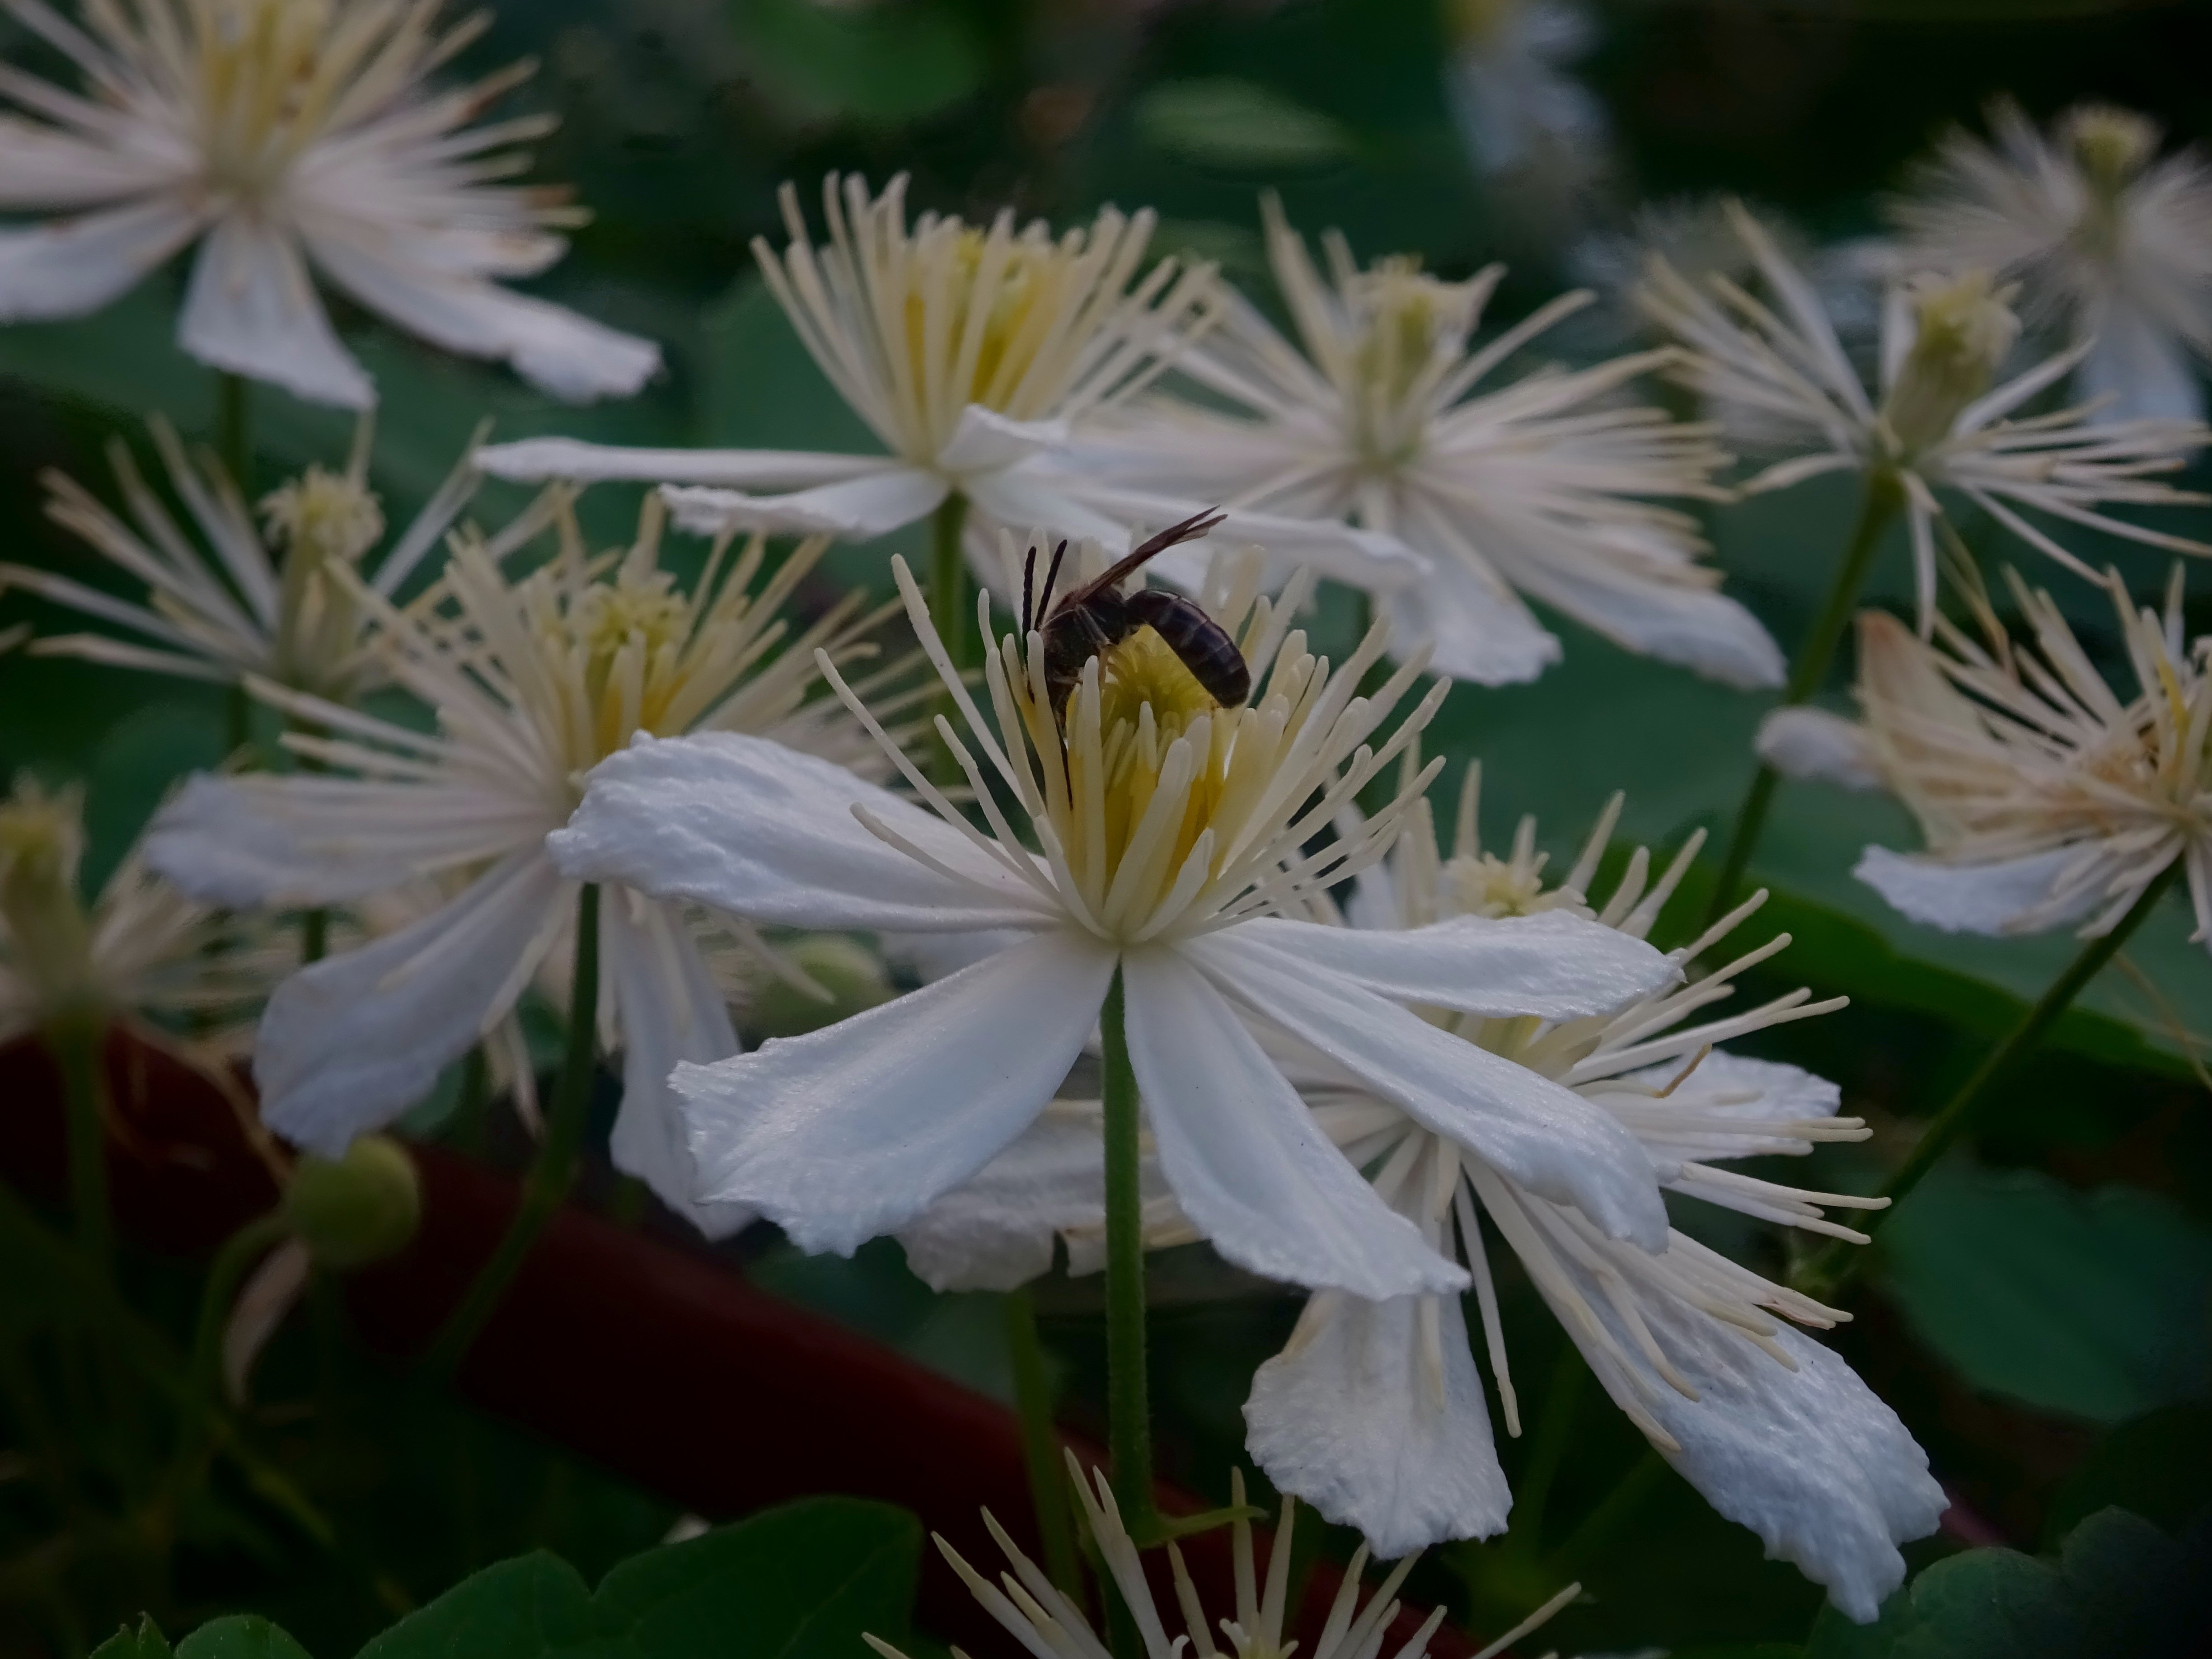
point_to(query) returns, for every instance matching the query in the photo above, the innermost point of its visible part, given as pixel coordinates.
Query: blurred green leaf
(1237, 123)
(243, 1636)
(2158, 1465)
(2093, 1305)
(144, 1642)
(802, 1582)
(880, 61)
(2119, 1586)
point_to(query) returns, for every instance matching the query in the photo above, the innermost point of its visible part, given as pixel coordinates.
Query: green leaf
(242, 1636)
(2120, 1586)
(878, 63)
(802, 1582)
(146, 1642)
(2092, 1303)
(1237, 124)
(2158, 1465)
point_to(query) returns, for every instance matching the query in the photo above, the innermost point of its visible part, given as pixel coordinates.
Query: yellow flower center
(1403, 319)
(1964, 328)
(323, 515)
(267, 83)
(48, 941)
(2113, 146)
(1011, 293)
(628, 636)
(1488, 885)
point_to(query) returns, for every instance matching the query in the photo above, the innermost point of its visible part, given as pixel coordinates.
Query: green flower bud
(1963, 328)
(849, 972)
(351, 1211)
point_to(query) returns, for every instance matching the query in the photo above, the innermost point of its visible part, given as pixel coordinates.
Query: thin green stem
(1128, 1404)
(240, 1252)
(553, 1170)
(1836, 1266)
(79, 1042)
(951, 609)
(1879, 504)
(234, 428)
(1041, 1444)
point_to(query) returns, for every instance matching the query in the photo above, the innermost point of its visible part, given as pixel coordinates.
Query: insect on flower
(1097, 617)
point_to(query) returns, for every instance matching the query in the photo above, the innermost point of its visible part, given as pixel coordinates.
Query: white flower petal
(851, 1131)
(1975, 898)
(1552, 965)
(534, 460)
(1812, 744)
(1476, 627)
(994, 1231)
(44, 166)
(1543, 1135)
(768, 833)
(352, 1042)
(72, 266)
(986, 441)
(1379, 1427)
(251, 310)
(1733, 1087)
(2142, 365)
(669, 1011)
(555, 349)
(858, 509)
(250, 842)
(1251, 1169)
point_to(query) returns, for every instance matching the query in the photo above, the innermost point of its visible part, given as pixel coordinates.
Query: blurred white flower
(1051, 1627)
(1938, 421)
(234, 601)
(1518, 106)
(533, 681)
(976, 357)
(141, 950)
(286, 133)
(1544, 486)
(1174, 836)
(2044, 796)
(2110, 243)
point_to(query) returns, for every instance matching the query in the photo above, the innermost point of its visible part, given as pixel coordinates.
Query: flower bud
(48, 940)
(1962, 328)
(849, 972)
(353, 1210)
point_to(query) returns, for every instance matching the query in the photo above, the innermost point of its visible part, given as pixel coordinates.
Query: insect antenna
(1052, 571)
(1029, 573)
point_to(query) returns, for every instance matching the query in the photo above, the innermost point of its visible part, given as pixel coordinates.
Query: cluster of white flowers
(1360, 1061)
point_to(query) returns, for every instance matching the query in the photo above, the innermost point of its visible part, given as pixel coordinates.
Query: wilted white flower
(976, 357)
(1051, 1627)
(533, 681)
(1172, 853)
(282, 133)
(1938, 421)
(2109, 243)
(1544, 486)
(234, 601)
(142, 950)
(2045, 796)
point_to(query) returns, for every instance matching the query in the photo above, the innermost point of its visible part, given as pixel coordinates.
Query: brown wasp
(1098, 616)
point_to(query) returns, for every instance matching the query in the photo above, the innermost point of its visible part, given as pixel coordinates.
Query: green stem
(79, 1046)
(1879, 503)
(554, 1171)
(1835, 1267)
(233, 429)
(951, 609)
(1041, 1444)
(1128, 1405)
(240, 1252)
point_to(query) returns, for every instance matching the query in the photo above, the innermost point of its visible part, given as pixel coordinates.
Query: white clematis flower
(977, 358)
(1049, 1626)
(238, 601)
(533, 681)
(280, 133)
(1939, 420)
(2045, 796)
(1545, 486)
(2109, 243)
(1170, 839)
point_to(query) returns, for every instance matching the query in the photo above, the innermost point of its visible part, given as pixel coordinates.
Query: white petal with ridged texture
(1552, 965)
(1975, 898)
(252, 310)
(851, 1131)
(670, 1011)
(348, 1043)
(857, 509)
(1250, 1166)
(72, 266)
(994, 1231)
(1544, 1136)
(256, 842)
(986, 441)
(768, 833)
(1380, 1424)
(1476, 627)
